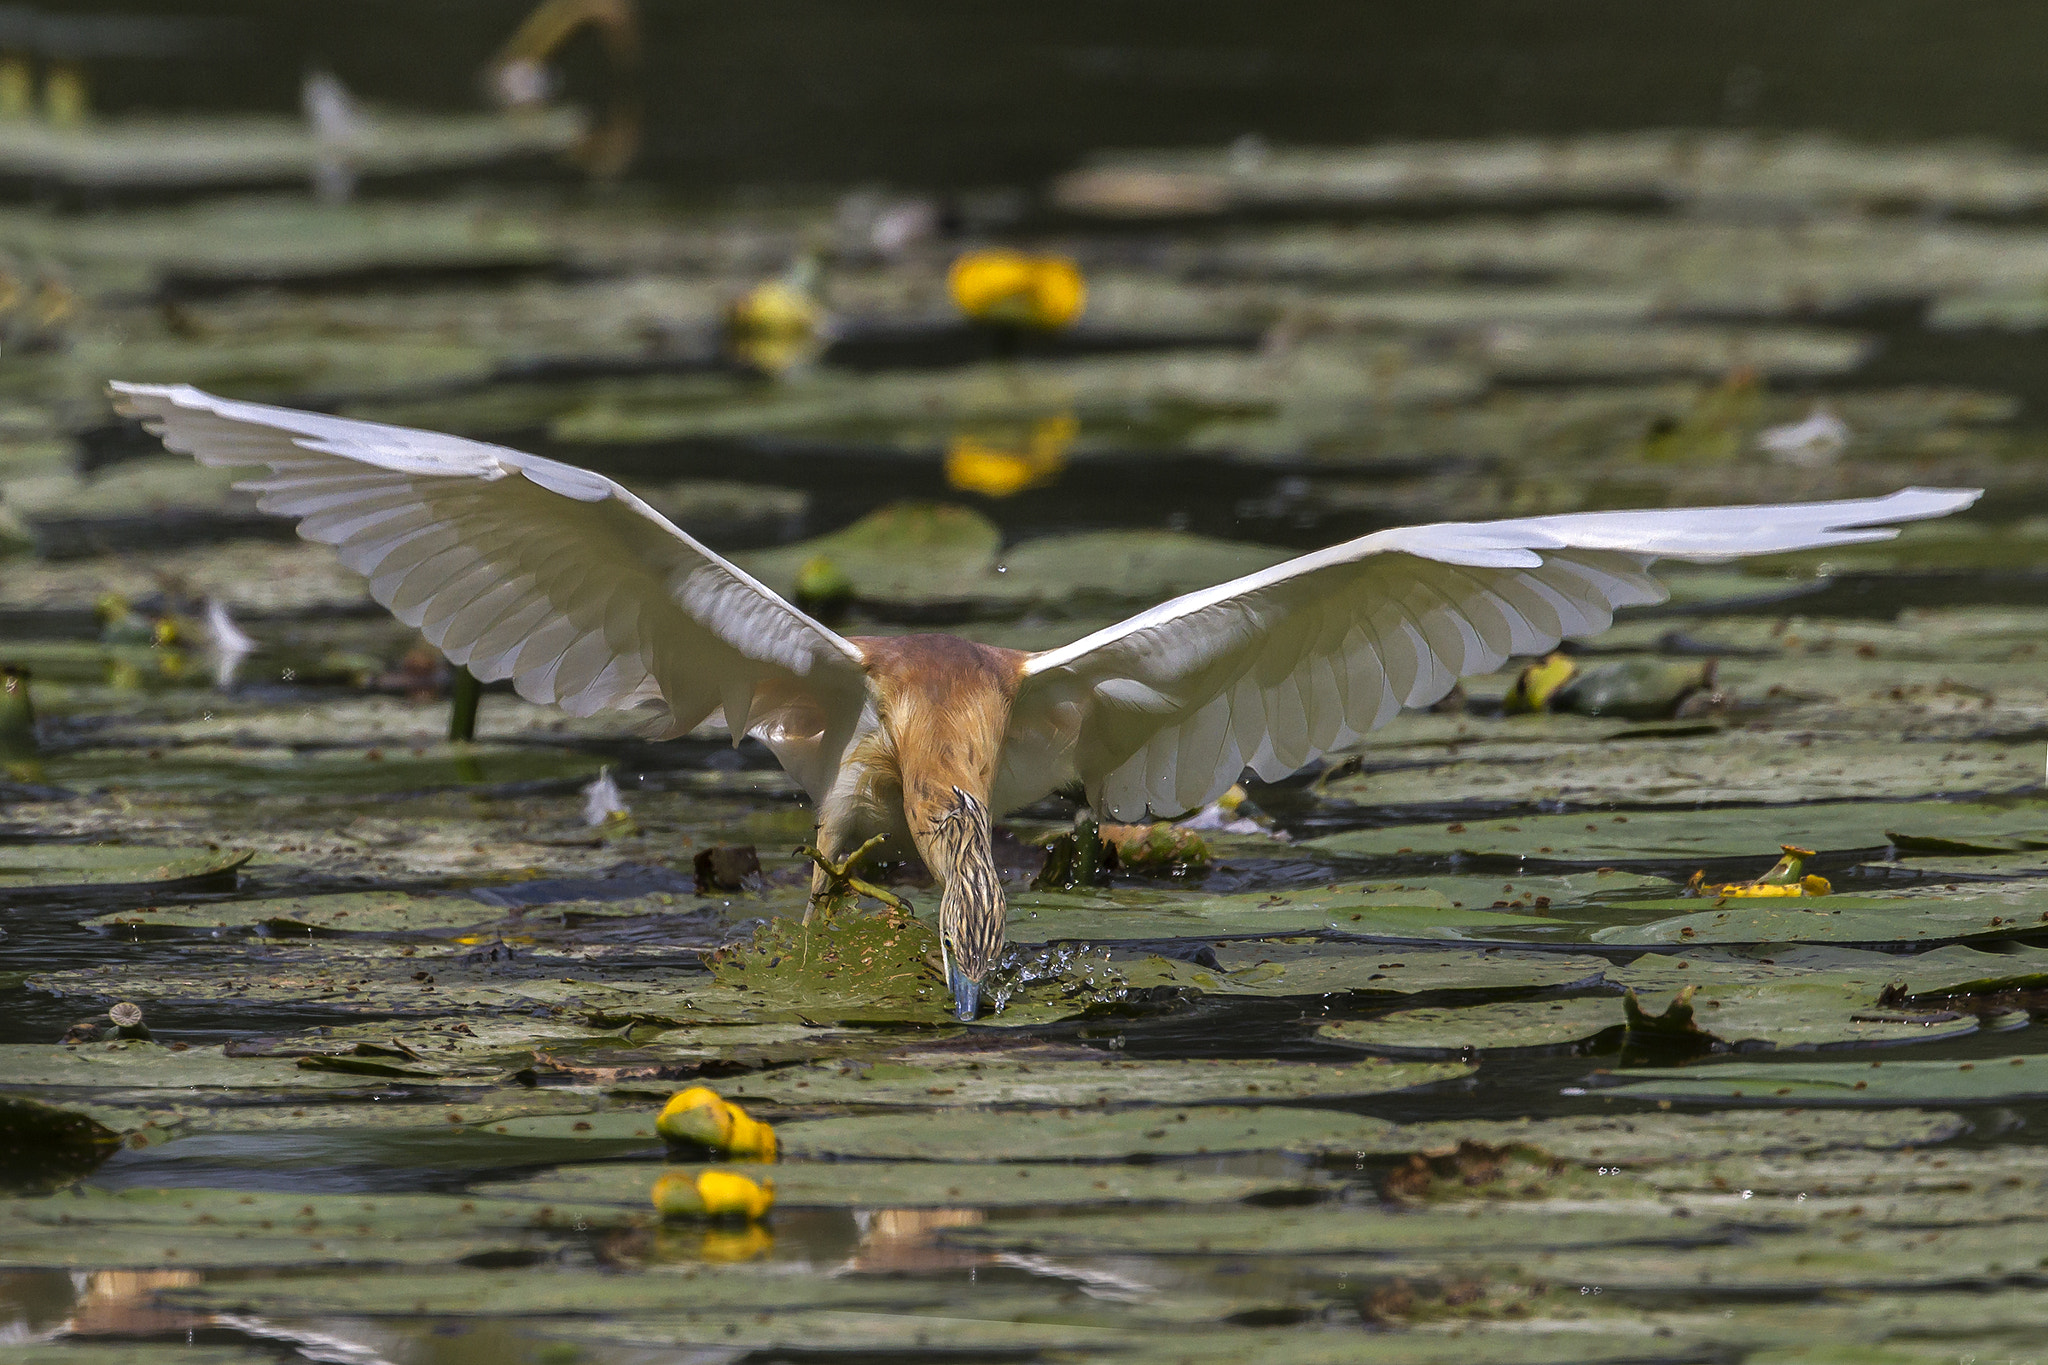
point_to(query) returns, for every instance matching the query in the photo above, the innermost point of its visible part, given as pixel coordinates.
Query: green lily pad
(1847, 1083)
(325, 1126)
(74, 1352)
(1798, 997)
(1667, 835)
(1056, 1135)
(1733, 766)
(1321, 1231)
(130, 1065)
(1650, 1140)
(46, 867)
(363, 912)
(1143, 914)
(927, 555)
(201, 1228)
(1916, 918)
(632, 1127)
(1505, 1026)
(564, 1291)
(1282, 969)
(899, 1334)
(848, 967)
(922, 1184)
(942, 1081)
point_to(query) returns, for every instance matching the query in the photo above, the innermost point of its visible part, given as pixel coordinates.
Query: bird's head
(971, 909)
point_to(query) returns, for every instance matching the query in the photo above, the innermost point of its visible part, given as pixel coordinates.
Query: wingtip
(132, 400)
(1947, 498)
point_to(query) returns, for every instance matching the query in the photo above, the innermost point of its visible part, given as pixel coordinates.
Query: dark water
(958, 95)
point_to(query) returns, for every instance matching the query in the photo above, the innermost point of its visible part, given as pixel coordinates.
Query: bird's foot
(834, 884)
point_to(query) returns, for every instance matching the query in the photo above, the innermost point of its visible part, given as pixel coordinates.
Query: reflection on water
(123, 1303)
(998, 466)
(905, 1241)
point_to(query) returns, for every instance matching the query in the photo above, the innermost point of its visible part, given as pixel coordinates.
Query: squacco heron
(584, 596)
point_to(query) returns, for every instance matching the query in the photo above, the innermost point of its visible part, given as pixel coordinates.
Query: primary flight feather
(583, 595)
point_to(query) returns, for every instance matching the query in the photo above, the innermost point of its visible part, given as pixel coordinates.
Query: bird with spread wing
(584, 596)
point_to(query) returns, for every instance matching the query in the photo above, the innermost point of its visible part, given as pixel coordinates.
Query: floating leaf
(1852, 1083)
(1651, 1140)
(1906, 919)
(201, 1228)
(1281, 969)
(1673, 835)
(57, 867)
(1148, 914)
(926, 1184)
(1794, 998)
(125, 1065)
(1504, 1026)
(965, 1080)
(1057, 1135)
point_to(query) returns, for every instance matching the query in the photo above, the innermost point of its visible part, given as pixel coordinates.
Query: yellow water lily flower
(1019, 290)
(712, 1194)
(1533, 688)
(1787, 877)
(700, 1115)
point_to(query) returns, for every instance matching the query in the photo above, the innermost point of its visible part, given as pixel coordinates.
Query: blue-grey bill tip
(966, 995)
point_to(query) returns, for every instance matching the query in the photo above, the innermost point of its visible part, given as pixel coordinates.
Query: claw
(840, 883)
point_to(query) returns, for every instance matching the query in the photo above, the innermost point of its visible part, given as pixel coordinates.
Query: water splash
(1071, 969)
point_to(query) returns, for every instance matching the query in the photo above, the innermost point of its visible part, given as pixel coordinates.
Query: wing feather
(1165, 710)
(537, 571)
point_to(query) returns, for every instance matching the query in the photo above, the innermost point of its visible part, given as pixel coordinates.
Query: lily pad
(1677, 835)
(1734, 766)
(924, 556)
(1650, 1140)
(848, 967)
(1906, 919)
(1785, 1003)
(202, 1228)
(1150, 915)
(53, 867)
(351, 913)
(1322, 1232)
(1285, 969)
(1989, 1080)
(1056, 1135)
(1506, 1026)
(564, 1292)
(925, 1184)
(940, 1081)
(129, 1065)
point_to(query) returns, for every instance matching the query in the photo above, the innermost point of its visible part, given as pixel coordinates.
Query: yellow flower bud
(698, 1115)
(1534, 686)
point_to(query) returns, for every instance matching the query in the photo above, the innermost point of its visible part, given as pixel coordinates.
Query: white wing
(534, 570)
(1166, 709)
